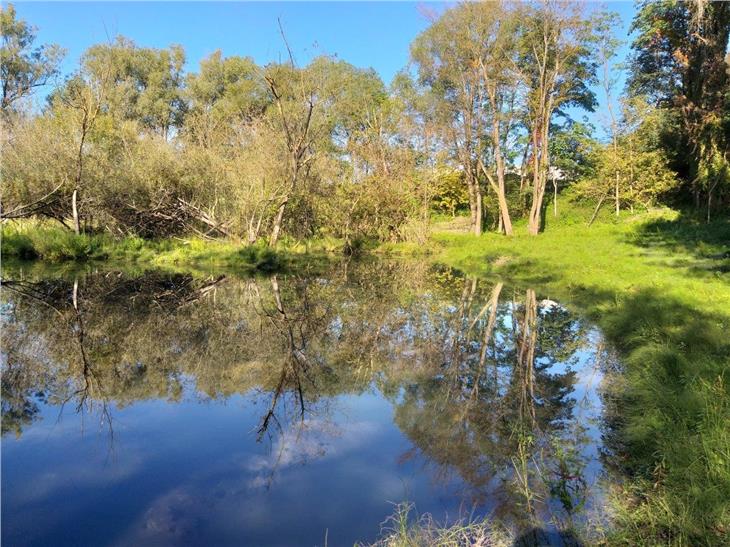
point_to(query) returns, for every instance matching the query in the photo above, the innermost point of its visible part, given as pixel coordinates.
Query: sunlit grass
(404, 529)
(31, 240)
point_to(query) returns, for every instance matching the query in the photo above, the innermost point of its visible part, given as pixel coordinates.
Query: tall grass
(51, 244)
(402, 529)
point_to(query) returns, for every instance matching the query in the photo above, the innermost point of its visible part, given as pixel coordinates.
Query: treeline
(482, 119)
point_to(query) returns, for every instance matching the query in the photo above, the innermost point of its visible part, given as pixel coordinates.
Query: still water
(170, 409)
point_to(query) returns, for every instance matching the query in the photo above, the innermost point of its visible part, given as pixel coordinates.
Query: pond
(154, 408)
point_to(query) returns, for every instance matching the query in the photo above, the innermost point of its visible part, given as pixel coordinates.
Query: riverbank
(658, 285)
(32, 241)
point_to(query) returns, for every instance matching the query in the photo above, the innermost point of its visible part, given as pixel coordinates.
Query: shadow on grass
(667, 427)
(707, 243)
(670, 408)
(542, 537)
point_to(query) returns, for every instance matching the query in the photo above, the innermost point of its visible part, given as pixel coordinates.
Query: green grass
(55, 245)
(658, 285)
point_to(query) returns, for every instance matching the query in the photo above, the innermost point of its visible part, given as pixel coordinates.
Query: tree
(607, 46)
(22, 67)
(633, 165)
(447, 57)
(146, 84)
(83, 96)
(571, 144)
(294, 94)
(500, 84)
(679, 62)
(229, 88)
(557, 68)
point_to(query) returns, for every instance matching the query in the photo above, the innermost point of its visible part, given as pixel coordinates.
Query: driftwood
(206, 219)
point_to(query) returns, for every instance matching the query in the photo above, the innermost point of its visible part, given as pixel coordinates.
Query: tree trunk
(598, 208)
(478, 211)
(75, 212)
(533, 225)
(277, 222)
(475, 203)
(538, 185)
(501, 197)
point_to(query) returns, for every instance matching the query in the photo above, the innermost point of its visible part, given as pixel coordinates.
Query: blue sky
(366, 34)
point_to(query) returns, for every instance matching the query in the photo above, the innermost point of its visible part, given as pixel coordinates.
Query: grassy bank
(659, 287)
(54, 245)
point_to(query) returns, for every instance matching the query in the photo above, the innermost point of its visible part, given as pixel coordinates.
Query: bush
(52, 244)
(261, 257)
(16, 244)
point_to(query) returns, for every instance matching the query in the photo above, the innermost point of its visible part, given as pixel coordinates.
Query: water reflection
(312, 401)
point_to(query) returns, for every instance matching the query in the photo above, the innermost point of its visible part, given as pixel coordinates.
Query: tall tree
(83, 96)
(557, 67)
(679, 61)
(500, 85)
(147, 83)
(23, 67)
(447, 57)
(294, 96)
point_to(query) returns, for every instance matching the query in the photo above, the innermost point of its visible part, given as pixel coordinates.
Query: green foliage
(634, 166)
(32, 240)
(17, 244)
(679, 60)
(52, 244)
(570, 149)
(449, 192)
(260, 257)
(147, 82)
(22, 67)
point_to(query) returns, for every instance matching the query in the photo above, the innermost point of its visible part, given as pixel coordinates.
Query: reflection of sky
(176, 472)
(192, 472)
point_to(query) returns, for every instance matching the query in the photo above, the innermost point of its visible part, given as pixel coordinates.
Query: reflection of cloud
(172, 518)
(77, 474)
(228, 498)
(311, 440)
(170, 515)
(547, 305)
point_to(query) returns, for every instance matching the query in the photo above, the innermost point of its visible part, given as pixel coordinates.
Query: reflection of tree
(491, 411)
(480, 380)
(295, 368)
(62, 340)
(91, 388)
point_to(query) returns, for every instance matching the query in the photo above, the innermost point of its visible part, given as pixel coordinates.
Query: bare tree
(296, 120)
(86, 99)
